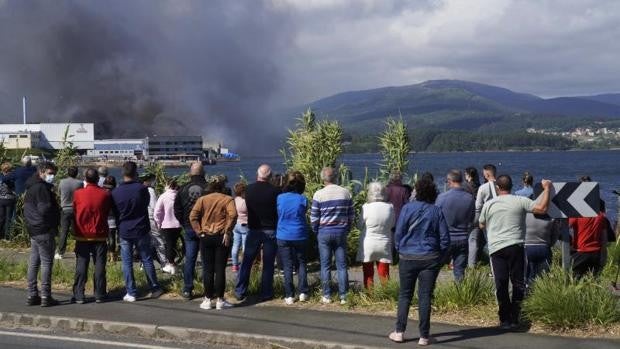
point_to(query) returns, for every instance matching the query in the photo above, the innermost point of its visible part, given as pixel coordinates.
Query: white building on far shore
(47, 135)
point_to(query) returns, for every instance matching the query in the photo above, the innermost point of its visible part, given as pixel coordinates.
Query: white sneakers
(57, 256)
(303, 297)
(326, 300)
(343, 301)
(207, 304)
(289, 300)
(222, 304)
(129, 298)
(169, 268)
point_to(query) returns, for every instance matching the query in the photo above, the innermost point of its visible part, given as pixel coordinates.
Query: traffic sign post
(571, 200)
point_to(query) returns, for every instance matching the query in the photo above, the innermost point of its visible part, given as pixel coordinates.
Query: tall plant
(394, 147)
(312, 146)
(66, 156)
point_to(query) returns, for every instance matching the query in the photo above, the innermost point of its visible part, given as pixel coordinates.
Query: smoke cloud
(144, 67)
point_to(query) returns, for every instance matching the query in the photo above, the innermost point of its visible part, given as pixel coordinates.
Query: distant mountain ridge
(437, 95)
(447, 115)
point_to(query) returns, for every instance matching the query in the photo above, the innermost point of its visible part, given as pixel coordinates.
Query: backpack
(5, 192)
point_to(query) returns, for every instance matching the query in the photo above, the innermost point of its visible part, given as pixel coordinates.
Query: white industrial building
(120, 148)
(47, 135)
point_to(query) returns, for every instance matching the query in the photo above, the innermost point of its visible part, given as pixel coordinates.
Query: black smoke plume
(146, 67)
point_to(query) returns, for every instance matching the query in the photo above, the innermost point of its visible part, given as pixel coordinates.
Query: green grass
(476, 289)
(559, 301)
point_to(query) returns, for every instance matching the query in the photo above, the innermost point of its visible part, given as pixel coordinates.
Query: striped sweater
(332, 210)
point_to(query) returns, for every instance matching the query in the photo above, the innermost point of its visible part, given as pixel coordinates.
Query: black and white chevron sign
(572, 199)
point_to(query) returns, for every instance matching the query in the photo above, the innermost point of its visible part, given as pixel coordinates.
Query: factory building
(119, 149)
(47, 135)
(174, 146)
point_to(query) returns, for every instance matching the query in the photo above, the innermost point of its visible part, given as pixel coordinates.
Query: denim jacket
(421, 230)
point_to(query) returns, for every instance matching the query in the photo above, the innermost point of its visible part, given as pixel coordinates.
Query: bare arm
(542, 205)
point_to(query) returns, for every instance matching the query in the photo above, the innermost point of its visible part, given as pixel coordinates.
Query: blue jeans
(240, 234)
(192, 243)
(255, 239)
(293, 253)
(333, 244)
(410, 271)
(143, 245)
(538, 261)
(459, 252)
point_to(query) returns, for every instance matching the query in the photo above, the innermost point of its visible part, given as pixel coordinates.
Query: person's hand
(546, 184)
(226, 240)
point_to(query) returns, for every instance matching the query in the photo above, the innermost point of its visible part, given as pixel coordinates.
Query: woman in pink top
(241, 228)
(168, 223)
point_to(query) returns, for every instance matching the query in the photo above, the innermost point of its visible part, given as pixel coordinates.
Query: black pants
(66, 222)
(508, 264)
(83, 251)
(586, 262)
(113, 240)
(214, 257)
(171, 235)
(7, 209)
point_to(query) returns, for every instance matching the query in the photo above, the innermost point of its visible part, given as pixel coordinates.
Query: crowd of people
(416, 227)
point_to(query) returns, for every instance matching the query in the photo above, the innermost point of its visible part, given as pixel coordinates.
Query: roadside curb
(196, 335)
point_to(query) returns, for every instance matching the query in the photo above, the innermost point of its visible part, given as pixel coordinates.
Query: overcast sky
(545, 47)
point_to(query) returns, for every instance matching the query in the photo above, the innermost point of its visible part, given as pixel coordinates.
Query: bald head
(263, 173)
(196, 169)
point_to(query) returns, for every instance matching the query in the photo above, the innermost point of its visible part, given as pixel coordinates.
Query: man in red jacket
(91, 206)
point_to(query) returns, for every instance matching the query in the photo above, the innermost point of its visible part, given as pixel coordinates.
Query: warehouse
(47, 135)
(119, 149)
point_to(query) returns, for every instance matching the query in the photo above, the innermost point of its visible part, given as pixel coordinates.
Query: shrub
(559, 301)
(476, 289)
(394, 147)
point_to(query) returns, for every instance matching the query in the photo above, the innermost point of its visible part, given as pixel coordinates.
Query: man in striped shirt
(331, 217)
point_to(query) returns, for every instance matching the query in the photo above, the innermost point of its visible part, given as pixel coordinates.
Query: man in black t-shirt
(261, 200)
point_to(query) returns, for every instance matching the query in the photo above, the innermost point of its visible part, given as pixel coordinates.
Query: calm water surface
(559, 166)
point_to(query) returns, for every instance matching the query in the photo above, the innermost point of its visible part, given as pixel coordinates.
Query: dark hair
(528, 179)
(172, 184)
(295, 182)
(585, 179)
(504, 183)
(72, 171)
(44, 166)
(240, 188)
(428, 176)
(426, 190)
(129, 169)
(491, 168)
(472, 172)
(408, 189)
(277, 180)
(109, 182)
(91, 175)
(215, 187)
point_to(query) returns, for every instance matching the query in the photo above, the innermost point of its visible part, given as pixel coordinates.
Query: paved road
(14, 339)
(297, 323)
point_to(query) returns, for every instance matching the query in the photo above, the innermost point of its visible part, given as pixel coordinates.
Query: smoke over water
(143, 67)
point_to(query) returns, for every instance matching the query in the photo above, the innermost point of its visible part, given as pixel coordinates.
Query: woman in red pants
(376, 225)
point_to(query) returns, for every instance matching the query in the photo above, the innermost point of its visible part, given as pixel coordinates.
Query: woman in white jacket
(376, 225)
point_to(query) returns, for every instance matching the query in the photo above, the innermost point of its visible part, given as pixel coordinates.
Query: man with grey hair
(458, 208)
(186, 197)
(331, 218)
(261, 201)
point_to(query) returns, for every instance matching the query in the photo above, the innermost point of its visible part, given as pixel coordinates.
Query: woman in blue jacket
(292, 234)
(422, 240)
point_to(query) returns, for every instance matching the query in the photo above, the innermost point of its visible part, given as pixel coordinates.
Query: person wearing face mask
(42, 216)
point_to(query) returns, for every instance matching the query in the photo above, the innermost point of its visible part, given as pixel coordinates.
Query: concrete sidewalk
(260, 326)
